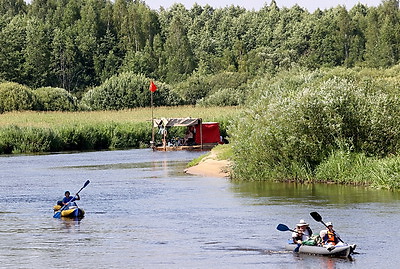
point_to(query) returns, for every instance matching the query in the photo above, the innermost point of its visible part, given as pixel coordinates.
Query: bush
(14, 96)
(198, 86)
(55, 99)
(298, 122)
(224, 97)
(15, 139)
(126, 91)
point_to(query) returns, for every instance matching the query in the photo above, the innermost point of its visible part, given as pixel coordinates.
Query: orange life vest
(331, 238)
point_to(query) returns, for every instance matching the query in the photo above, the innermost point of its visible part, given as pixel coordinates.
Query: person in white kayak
(303, 232)
(329, 237)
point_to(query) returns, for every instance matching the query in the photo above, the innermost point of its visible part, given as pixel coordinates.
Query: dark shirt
(67, 199)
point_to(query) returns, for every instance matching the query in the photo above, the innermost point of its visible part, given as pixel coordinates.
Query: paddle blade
(282, 227)
(297, 248)
(86, 183)
(316, 216)
(57, 215)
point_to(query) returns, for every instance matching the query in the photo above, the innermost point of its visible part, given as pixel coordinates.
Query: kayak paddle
(283, 228)
(318, 218)
(58, 213)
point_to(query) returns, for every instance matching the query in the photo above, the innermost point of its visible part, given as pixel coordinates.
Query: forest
(80, 45)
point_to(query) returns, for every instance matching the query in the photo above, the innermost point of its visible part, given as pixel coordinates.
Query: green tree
(107, 59)
(11, 8)
(180, 60)
(357, 49)
(37, 69)
(64, 61)
(43, 9)
(12, 44)
(325, 46)
(345, 34)
(88, 31)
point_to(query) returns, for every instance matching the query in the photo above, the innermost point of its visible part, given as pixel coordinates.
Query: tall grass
(355, 168)
(51, 119)
(15, 139)
(22, 132)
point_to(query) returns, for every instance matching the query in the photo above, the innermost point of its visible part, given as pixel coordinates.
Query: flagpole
(152, 88)
(152, 123)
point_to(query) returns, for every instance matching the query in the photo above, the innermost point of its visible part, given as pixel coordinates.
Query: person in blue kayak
(68, 198)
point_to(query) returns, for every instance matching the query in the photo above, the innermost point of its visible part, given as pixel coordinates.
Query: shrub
(297, 123)
(55, 99)
(199, 86)
(125, 91)
(224, 97)
(14, 96)
(132, 135)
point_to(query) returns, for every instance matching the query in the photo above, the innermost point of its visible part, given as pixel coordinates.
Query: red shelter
(210, 133)
(206, 134)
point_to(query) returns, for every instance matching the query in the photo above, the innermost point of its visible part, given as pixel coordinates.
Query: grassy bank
(335, 125)
(24, 132)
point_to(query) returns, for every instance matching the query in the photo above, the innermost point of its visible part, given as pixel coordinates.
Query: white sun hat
(302, 223)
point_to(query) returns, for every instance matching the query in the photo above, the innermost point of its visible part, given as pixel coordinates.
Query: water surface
(142, 211)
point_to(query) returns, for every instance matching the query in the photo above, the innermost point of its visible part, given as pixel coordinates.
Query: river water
(142, 211)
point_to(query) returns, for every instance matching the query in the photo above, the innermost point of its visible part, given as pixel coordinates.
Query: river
(142, 211)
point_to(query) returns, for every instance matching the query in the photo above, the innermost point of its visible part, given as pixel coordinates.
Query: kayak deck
(70, 212)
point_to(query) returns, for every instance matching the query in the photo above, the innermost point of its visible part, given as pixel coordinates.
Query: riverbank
(30, 132)
(210, 166)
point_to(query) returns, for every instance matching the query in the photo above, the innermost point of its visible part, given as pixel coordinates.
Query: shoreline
(210, 167)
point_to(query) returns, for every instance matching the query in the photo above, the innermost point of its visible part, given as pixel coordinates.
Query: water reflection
(70, 224)
(276, 193)
(159, 165)
(325, 262)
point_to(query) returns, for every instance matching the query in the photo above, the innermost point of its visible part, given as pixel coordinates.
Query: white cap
(329, 223)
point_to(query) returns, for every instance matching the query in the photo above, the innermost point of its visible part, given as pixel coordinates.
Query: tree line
(80, 44)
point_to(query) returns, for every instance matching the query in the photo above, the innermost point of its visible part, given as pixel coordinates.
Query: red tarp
(210, 133)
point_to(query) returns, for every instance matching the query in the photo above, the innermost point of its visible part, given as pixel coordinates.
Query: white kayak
(339, 251)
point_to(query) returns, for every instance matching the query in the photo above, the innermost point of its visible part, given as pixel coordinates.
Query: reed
(51, 119)
(355, 168)
(23, 132)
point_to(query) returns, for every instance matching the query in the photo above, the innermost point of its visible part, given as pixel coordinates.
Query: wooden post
(201, 133)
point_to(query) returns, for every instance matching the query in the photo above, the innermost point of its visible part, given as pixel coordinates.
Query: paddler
(69, 198)
(303, 232)
(329, 236)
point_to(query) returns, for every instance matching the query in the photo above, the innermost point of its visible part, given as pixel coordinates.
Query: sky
(310, 5)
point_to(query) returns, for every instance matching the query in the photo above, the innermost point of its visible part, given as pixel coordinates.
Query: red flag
(153, 87)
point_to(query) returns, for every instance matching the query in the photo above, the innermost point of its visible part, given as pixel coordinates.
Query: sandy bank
(210, 167)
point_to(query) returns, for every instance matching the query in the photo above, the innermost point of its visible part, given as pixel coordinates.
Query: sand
(210, 167)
